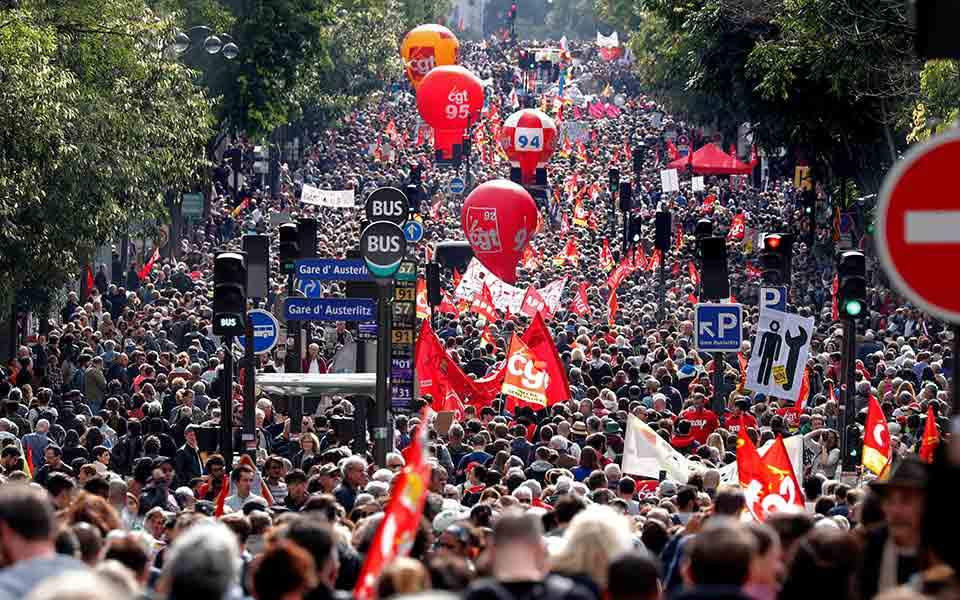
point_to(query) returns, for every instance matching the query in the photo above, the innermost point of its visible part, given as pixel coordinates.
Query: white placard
(779, 354)
(528, 139)
(327, 198)
(696, 183)
(669, 180)
(505, 296)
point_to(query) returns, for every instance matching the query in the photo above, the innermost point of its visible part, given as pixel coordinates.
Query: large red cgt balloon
(449, 99)
(528, 137)
(499, 219)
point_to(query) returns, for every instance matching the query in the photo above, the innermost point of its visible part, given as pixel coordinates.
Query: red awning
(711, 160)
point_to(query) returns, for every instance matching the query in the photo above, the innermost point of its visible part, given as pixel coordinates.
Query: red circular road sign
(918, 227)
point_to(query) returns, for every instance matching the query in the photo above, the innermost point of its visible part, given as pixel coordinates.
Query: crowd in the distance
(104, 412)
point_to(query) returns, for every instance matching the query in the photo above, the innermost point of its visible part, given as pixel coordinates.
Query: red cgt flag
(580, 306)
(606, 257)
(694, 275)
(931, 437)
(538, 338)
(483, 304)
(876, 439)
(397, 531)
(534, 304)
(737, 228)
(526, 378)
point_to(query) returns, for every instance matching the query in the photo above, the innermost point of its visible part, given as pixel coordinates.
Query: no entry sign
(918, 227)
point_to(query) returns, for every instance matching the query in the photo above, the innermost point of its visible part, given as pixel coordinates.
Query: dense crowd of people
(108, 493)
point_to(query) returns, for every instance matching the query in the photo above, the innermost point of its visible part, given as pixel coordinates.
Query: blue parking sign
(774, 297)
(718, 327)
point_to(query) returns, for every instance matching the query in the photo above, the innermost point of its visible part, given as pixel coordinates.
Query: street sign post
(266, 331)
(718, 327)
(329, 309)
(774, 297)
(387, 204)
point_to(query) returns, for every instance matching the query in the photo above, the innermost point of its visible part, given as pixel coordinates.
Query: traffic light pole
(380, 426)
(849, 409)
(249, 435)
(226, 404)
(661, 312)
(719, 367)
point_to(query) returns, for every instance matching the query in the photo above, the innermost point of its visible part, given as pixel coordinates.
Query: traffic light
(289, 247)
(635, 235)
(638, 151)
(852, 277)
(626, 196)
(614, 176)
(307, 237)
(933, 38)
(809, 202)
(416, 173)
(775, 258)
(229, 293)
(703, 228)
(714, 278)
(664, 225)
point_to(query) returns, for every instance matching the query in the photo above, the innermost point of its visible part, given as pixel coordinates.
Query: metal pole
(384, 361)
(249, 435)
(954, 404)
(849, 396)
(719, 366)
(226, 403)
(663, 284)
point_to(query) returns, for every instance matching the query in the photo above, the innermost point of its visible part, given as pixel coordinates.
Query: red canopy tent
(711, 160)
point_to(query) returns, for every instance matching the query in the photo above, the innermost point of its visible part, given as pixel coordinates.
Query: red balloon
(449, 99)
(499, 219)
(528, 137)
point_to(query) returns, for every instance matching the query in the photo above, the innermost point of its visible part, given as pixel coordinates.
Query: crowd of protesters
(103, 413)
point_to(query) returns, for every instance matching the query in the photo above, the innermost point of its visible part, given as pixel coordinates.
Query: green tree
(95, 125)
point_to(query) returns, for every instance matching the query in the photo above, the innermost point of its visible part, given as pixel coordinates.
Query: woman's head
(594, 536)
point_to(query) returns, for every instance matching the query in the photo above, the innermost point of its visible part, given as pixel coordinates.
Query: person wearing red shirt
(740, 411)
(703, 421)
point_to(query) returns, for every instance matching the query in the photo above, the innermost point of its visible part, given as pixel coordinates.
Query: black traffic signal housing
(638, 151)
(664, 230)
(775, 258)
(614, 177)
(635, 233)
(416, 173)
(306, 237)
(809, 203)
(289, 247)
(852, 279)
(934, 36)
(229, 293)
(714, 276)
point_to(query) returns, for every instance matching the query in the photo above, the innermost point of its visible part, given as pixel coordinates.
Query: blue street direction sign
(457, 185)
(718, 327)
(773, 297)
(413, 231)
(311, 288)
(330, 309)
(266, 331)
(331, 269)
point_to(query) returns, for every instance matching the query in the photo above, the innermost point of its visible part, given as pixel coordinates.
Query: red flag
(753, 272)
(439, 375)
(612, 307)
(222, 497)
(571, 252)
(580, 305)
(90, 282)
(456, 278)
(483, 304)
(526, 378)
(640, 261)
(694, 275)
(654, 261)
(928, 445)
(534, 304)
(751, 473)
(606, 257)
(423, 306)
(29, 461)
(147, 268)
(672, 151)
(876, 439)
(538, 338)
(675, 270)
(692, 299)
(783, 489)
(737, 228)
(397, 531)
(678, 237)
(486, 337)
(446, 304)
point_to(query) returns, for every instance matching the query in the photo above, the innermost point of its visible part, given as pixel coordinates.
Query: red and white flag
(931, 437)
(580, 306)
(737, 228)
(147, 268)
(533, 304)
(606, 257)
(398, 530)
(526, 378)
(654, 261)
(612, 307)
(694, 275)
(483, 304)
(876, 439)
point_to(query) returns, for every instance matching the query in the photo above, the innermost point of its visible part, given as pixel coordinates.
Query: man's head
(355, 472)
(242, 477)
(518, 550)
(633, 576)
(720, 555)
(52, 455)
(203, 562)
(26, 524)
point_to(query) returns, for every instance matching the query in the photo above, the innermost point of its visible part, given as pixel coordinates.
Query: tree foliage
(95, 125)
(830, 79)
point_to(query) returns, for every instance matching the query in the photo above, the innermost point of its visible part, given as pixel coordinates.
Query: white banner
(696, 184)
(504, 295)
(327, 198)
(779, 354)
(669, 180)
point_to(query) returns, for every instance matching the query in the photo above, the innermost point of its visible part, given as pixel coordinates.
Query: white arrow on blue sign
(718, 327)
(266, 331)
(413, 231)
(311, 288)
